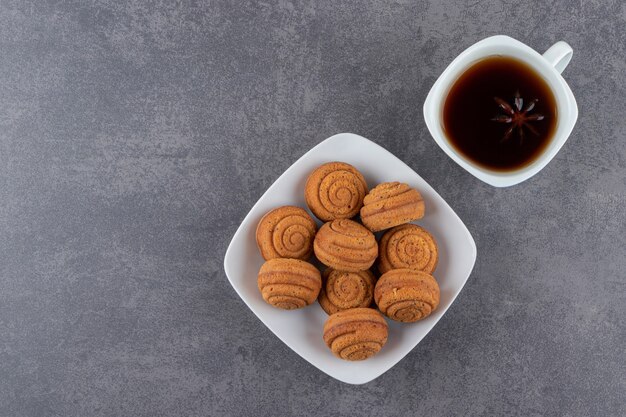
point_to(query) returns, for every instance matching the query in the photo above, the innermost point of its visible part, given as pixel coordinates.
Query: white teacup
(549, 66)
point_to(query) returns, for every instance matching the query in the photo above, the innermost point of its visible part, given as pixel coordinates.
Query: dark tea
(500, 114)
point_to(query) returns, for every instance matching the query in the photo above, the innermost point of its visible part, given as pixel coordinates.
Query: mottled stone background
(135, 136)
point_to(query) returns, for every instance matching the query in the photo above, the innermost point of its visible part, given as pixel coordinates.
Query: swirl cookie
(355, 334)
(345, 245)
(407, 246)
(286, 232)
(343, 290)
(406, 295)
(390, 204)
(335, 191)
(289, 283)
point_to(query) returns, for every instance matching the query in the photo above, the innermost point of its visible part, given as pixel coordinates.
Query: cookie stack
(406, 256)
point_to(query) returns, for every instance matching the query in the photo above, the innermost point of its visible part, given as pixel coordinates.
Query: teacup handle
(559, 55)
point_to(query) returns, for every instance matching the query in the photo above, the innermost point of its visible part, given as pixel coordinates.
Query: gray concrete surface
(135, 136)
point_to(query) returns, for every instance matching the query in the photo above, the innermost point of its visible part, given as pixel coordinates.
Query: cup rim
(507, 46)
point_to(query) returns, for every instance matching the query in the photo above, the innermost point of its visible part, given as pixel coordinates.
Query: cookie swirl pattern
(289, 283)
(345, 245)
(390, 204)
(406, 295)
(286, 232)
(335, 191)
(342, 290)
(408, 246)
(355, 334)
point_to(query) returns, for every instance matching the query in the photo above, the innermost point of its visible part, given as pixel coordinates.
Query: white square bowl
(301, 330)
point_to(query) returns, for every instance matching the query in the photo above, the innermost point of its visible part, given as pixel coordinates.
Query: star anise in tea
(517, 116)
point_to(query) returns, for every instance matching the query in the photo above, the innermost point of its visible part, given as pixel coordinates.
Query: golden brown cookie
(286, 232)
(390, 204)
(355, 334)
(335, 190)
(342, 290)
(407, 246)
(345, 245)
(289, 283)
(406, 295)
